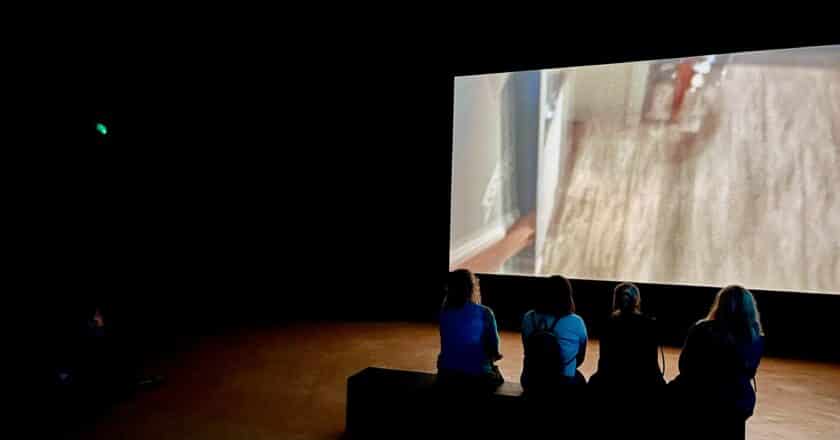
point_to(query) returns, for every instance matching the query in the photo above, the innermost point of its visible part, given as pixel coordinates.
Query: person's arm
(492, 336)
(581, 356)
(524, 328)
(754, 358)
(690, 354)
(440, 326)
(655, 343)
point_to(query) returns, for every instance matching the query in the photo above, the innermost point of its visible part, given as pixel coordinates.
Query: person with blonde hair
(718, 361)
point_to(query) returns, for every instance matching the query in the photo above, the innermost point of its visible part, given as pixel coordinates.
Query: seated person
(554, 338)
(629, 346)
(98, 360)
(712, 393)
(469, 337)
(628, 385)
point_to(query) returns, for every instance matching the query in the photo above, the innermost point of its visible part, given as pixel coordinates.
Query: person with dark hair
(719, 359)
(554, 338)
(469, 336)
(629, 345)
(629, 384)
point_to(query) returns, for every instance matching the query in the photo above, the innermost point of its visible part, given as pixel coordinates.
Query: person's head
(626, 299)
(735, 308)
(556, 299)
(461, 288)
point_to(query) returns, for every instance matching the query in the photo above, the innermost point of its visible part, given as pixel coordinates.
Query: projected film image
(706, 170)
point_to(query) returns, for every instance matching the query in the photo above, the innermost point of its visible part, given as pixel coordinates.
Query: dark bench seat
(397, 404)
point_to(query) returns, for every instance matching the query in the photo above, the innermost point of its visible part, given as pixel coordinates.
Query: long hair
(556, 299)
(626, 299)
(735, 308)
(461, 287)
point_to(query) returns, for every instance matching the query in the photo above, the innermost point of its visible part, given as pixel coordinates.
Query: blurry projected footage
(706, 170)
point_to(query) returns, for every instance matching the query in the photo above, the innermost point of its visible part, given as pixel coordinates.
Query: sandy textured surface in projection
(751, 198)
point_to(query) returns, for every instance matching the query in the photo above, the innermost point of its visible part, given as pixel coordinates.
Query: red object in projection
(683, 81)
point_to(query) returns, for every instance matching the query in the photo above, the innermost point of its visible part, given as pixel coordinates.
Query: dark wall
(795, 324)
(237, 190)
(227, 197)
(798, 325)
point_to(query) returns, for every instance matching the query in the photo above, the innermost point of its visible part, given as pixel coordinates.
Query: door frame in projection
(555, 98)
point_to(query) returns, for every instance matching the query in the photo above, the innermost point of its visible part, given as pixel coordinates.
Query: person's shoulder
(613, 322)
(528, 320)
(646, 320)
(575, 317)
(704, 327)
(629, 320)
(647, 325)
(577, 320)
(650, 324)
(703, 324)
(645, 317)
(579, 325)
(453, 311)
(484, 309)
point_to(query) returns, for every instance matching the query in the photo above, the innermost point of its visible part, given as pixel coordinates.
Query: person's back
(469, 337)
(629, 351)
(628, 384)
(554, 339)
(466, 335)
(628, 345)
(717, 369)
(569, 334)
(713, 393)
(553, 317)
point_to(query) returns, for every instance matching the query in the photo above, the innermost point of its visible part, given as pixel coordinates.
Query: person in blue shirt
(719, 359)
(555, 314)
(469, 337)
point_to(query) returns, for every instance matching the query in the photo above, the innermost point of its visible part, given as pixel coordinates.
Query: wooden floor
(289, 382)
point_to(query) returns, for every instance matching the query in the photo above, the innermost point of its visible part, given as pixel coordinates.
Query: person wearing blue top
(469, 336)
(717, 363)
(554, 338)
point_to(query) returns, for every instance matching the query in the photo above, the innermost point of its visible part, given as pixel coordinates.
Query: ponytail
(626, 299)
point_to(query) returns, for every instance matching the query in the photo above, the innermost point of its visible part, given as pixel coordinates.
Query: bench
(397, 404)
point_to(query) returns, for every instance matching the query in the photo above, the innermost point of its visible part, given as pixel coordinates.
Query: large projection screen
(706, 170)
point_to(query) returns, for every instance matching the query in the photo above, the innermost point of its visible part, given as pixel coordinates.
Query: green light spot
(101, 128)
